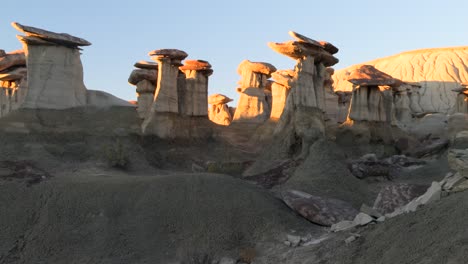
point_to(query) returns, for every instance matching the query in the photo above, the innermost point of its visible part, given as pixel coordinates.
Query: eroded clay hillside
(439, 70)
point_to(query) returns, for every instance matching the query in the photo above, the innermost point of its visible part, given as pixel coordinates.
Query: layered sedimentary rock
(372, 94)
(438, 71)
(303, 117)
(55, 72)
(253, 104)
(195, 96)
(219, 111)
(406, 102)
(144, 78)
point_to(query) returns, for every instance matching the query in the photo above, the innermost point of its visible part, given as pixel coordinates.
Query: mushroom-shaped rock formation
(166, 96)
(406, 99)
(303, 113)
(194, 98)
(57, 81)
(253, 105)
(219, 111)
(372, 95)
(144, 79)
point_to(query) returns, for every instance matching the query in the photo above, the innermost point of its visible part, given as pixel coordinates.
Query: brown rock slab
(195, 65)
(283, 77)
(368, 75)
(258, 67)
(329, 47)
(319, 210)
(298, 50)
(302, 38)
(394, 196)
(146, 65)
(59, 38)
(169, 53)
(11, 60)
(216, 99)
(138, 75)
(14, 74)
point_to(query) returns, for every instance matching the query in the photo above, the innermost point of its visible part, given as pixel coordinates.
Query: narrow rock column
(145, 80)
(166, 96)
(461, 105)
(253, 106)
(195, 96)
(280, 91)
(12, 78)
(402, 104)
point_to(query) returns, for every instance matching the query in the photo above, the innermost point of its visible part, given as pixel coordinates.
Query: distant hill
(439, 70)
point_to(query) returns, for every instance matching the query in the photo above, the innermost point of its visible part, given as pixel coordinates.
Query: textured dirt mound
(111, 219)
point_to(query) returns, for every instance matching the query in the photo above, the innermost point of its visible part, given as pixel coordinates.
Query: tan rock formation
(253, 105)
(144, 79)
(219, 111)
(438, 71)
(195, 95)
(372, 94)
(303, 118)
(166, 97)
(51, 86)
(280, 91)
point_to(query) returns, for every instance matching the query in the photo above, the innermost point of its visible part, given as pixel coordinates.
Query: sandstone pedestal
(55, 72)
(195, 95)
(253, 106)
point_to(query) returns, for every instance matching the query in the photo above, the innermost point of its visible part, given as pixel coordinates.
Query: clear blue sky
(227, 32)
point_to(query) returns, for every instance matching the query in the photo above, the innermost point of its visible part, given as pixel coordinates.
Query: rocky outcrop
(219, 112)
(144, 78)
(372, 95)
(319, 210)
(194, 98)
(302, 119)
(179, 105)
(253, 106)
(13, 82)
(55, 82)
(283, 80)
(438, 71)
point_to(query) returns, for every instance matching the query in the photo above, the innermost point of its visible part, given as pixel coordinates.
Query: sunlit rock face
(13, 83)
(55, 71)
(218, 111)
(194, 98)
(438, 71)
(253, 106)
(283, 80)
(303, 115)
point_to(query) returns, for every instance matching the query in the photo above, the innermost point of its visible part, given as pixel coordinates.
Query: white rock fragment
(362, 219)
(343, 225)
(294, 240)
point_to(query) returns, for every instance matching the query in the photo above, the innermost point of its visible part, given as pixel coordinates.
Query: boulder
(319, 210)
(362, 219)
(458, 160)
(197, 65)
(257, 67)
(216, 99)
(13, 74)
(394, 196)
